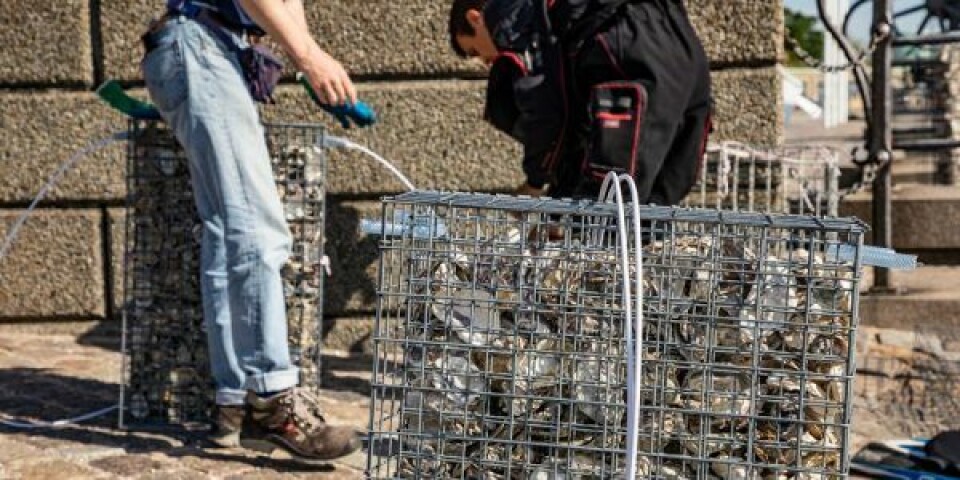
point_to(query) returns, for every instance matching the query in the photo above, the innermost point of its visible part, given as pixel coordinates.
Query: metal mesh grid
(500, 349)
(801, 180)
(916, 390)
(166, 367)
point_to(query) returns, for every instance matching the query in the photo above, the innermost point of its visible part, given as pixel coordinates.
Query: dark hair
(458, 21)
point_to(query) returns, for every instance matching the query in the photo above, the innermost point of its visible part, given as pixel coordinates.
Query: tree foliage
(804, 29)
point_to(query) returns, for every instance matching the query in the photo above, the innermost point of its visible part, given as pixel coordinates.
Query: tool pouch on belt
(616, 116)
(262, 71)
(261, 68)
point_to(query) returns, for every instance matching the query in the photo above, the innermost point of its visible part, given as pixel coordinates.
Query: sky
(862, 19)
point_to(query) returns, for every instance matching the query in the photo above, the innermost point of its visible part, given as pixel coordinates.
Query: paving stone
(46, 42)
(174, 475)
(264, 475)
(12, 449)
(130, 465)
(54, 268)
(46, 470)
(223, 462)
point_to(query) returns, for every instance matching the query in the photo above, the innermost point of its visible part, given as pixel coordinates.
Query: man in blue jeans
(196, 81)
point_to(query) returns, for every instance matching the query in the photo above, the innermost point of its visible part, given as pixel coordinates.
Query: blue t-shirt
(229, 10)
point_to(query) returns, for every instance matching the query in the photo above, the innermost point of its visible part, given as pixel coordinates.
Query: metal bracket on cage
(873, 256)
(419, 226)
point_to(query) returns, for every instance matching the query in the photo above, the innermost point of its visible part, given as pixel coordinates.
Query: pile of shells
(168, 374)
(515, 362)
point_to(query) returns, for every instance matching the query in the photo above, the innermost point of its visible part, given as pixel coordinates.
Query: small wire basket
(800, 180)
(166, 364)
(501, 352)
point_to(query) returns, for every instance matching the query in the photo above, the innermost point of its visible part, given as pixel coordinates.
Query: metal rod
(927, 145)
(881, 137)
(930, 39)
(898, 144)
(917, 62)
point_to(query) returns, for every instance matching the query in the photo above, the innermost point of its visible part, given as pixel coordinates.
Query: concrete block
(55, 267)
(46, 42)
(371, 38)
(41, 131)
(739, 31)
(383, 38)
(122, 22)
(434, 133)
(748, 106)
(922, 216)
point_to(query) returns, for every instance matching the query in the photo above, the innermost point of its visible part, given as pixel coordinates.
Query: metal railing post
(881, 138)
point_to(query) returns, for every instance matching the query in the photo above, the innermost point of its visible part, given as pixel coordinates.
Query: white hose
(633, 305)
(59, 423)
(340, 142)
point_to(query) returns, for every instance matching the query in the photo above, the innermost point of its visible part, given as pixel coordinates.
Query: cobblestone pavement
(44, 376)
(48, 376)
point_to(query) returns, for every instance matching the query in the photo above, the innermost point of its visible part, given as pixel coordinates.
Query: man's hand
(528, 190)
(328, 78)
(284, 20)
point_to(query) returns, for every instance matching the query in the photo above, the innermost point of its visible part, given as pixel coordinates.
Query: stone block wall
(67, 265)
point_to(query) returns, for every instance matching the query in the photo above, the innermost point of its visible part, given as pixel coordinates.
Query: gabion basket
(800, 180)
(166, 367)
(501, 354)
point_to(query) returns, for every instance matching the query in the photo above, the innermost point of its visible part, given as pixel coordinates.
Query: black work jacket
(527, 90)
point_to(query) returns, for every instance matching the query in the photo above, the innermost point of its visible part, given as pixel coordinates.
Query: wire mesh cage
(166, 367)
(501, 351)
(800, 180)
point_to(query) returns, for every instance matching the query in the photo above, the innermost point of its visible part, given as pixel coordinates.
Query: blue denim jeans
(196, 82)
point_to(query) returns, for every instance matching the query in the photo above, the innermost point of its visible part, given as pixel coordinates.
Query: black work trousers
(651, 42)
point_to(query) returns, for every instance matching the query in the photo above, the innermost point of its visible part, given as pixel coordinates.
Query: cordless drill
(360, 113)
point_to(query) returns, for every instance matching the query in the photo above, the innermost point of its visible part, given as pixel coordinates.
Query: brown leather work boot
(227, 423)
(291, 420)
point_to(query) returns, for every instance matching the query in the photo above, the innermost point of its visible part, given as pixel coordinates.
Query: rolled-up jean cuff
(228, 397)
(274, 381)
